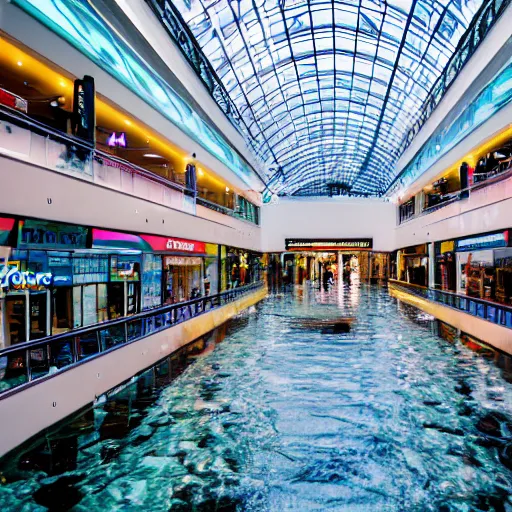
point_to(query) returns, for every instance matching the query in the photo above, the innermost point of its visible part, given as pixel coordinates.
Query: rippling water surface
(386, 417)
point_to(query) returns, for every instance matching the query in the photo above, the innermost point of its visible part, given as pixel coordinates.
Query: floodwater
(290, 414)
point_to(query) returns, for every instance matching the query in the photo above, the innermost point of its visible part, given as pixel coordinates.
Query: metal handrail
(224, 209)
(494, 312)
(34, 125)
(102, 337)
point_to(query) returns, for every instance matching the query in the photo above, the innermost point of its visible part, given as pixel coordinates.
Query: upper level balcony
(43, 113)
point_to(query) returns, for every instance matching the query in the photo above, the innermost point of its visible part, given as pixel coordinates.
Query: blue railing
(492, 312)
(26, 363)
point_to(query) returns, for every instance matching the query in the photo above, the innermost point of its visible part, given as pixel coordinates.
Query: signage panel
(13, 279)
(328, 244)
(172, 244)
(483, 242)
(39, 234)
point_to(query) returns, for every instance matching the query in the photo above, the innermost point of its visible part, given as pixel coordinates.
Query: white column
(431, 265)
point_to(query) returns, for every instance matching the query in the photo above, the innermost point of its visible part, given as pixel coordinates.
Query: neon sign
(117, 140)
(13, 279)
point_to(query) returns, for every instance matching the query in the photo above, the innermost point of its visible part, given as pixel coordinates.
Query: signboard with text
(172, 244)
(328, 244)
(489, 241)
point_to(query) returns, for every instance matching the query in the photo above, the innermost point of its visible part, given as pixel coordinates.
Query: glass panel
(39, 363)
(111, 336)
(13, 370)
(87, 345)
(61, 354)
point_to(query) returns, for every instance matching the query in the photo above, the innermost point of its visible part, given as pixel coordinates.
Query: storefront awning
(114, 240)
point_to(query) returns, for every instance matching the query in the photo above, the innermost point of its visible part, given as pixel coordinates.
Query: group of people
(328, 275)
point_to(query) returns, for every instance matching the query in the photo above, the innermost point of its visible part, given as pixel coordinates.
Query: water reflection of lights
(425, 317)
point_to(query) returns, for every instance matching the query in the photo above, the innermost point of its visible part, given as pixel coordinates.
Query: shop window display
(182, 278)
(484, 266)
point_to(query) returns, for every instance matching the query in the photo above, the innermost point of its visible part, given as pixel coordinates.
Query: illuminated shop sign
(13, 279)
(11, 100)
(161, 243)
(483, 242)
(328, 244)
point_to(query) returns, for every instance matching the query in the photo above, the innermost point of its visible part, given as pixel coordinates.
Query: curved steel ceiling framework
(328, 91)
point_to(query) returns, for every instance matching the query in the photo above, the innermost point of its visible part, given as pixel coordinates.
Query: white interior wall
(328, 218)
(31, 191)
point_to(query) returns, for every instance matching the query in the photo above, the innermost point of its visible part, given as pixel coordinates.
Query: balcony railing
(226, 211)
(492, 312)
(484, 180)
(27, 363)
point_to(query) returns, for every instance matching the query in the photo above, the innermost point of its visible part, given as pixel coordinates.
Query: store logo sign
(179, 245)
(483, 242)
(13, 279)
(309, 244)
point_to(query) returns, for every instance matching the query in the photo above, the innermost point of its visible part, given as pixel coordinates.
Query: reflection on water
(386, 417)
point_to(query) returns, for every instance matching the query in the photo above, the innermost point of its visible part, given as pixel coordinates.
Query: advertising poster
(152, 281)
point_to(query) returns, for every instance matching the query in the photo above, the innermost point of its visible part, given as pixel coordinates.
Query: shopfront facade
(239, 267)
(412, 265)
(189, 268)
(310, 258)
(55, 277)
(445, 266)
(484, 266)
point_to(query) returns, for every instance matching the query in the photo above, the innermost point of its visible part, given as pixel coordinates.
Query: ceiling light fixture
(151, 155)
(20, 63)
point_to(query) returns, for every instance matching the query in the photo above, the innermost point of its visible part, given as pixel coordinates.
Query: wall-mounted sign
(168, 244)
(117, 140)
(13, 279)
(182, 261)
(328, 244)
(84, 116)
(38, 234)
(483, 242)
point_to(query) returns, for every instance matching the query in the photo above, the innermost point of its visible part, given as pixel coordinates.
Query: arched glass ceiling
(328, 90)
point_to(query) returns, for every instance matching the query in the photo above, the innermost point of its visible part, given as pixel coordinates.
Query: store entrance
(62, 310)
(123, 298)
(349, 265)
(26, 316)
(182, 279)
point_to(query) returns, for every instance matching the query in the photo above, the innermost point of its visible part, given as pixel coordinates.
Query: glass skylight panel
(333, 100)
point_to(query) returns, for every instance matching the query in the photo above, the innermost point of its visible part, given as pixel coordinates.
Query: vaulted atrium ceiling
(328, 91)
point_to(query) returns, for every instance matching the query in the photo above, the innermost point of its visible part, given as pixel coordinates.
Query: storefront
(36, 269)
(240, 267)
(484, 266)
(412, 265)
(189, 268)
(350, 257)
(445, 272)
